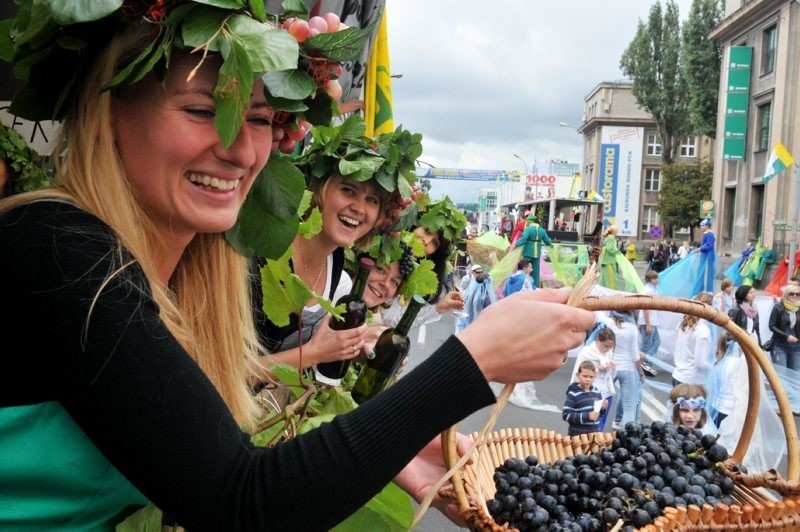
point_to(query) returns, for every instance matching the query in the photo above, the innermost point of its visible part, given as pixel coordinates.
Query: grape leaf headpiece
(57, 40)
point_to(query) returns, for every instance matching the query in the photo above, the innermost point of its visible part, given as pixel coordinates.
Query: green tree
(652, 61)
(683, 186)
(701, 63)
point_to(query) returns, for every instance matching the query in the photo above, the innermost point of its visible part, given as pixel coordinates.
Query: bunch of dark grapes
(646, 469)
(406, 260)
(393, 209)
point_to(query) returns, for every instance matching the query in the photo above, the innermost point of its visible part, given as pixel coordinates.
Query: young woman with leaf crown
(137, 394)
(345, 210)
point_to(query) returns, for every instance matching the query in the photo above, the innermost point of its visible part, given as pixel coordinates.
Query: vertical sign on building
(737, 102)
(621, 177)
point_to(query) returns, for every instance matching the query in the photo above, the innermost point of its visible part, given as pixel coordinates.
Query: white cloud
(484, 80)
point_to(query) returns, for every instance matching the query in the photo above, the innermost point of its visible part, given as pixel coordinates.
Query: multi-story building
(758, 106)
(622, 158)
(487, 210)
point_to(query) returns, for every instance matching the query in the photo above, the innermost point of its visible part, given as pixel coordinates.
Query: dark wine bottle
(354, 315)
(390, 350)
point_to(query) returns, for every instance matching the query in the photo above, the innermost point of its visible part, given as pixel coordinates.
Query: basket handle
(754, 357)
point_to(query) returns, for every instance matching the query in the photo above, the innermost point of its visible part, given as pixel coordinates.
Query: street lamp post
(526, 167)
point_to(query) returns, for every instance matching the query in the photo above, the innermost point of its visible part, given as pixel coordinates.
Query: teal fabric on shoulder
(54, 478)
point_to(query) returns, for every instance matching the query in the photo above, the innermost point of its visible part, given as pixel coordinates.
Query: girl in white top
(627, 359)
(600, 352)
(693, 347)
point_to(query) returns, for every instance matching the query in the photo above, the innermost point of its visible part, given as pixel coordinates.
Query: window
(768, 44)
(652, 180)
(689, 147)
(729, 205)
(764, 115)
(758, 210)
(649, 217)
(653, 144)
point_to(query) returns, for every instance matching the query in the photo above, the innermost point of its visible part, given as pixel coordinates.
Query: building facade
(622, 159)
(766, 33)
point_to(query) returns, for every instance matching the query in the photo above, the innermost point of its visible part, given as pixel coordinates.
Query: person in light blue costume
(696, 273)
(479, 294)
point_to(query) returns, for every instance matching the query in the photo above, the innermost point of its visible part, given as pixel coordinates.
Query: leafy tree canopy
(701, 65)
(675, 71)
(683, 186)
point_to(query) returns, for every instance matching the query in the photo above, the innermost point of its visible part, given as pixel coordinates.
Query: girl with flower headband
(139, 390)
(688, 406)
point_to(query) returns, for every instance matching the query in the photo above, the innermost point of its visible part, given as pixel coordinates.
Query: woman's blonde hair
(689, 321)
(612, 230)
(206, 304)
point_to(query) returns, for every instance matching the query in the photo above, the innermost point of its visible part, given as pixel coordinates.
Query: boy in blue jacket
(584, 404)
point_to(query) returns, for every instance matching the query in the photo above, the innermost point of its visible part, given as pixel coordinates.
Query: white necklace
(305, 270)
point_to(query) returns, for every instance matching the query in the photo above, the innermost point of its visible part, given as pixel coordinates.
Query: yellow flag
(378, 90)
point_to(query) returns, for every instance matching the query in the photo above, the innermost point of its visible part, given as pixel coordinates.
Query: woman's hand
(451, 301)
(526, 337)
(327, 345)
(425, 470)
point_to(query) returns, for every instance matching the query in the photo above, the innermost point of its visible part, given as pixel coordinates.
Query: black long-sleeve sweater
(152, 412)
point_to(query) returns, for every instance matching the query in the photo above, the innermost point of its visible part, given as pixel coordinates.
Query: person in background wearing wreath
(352, 213)
(139, 390)
(532, 239)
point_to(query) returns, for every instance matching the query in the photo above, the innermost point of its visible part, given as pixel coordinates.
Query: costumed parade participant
(782, 277)
(697, 272)
(532, 239)
(139, 390)
(616, 271)
(734, 270)
(753, 269)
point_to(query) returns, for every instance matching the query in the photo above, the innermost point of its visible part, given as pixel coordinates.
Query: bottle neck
(409, 315)
(360, 282)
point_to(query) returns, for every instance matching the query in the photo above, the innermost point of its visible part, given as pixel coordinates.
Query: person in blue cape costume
(696, 273)
(734, 271)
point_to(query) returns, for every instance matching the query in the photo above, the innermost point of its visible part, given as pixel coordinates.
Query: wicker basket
(775, 508)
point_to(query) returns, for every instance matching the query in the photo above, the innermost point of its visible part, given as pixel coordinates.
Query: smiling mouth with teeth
(214, 183)
(350, 222)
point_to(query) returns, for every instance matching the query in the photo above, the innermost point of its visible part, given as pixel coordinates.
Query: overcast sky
(484, 80)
